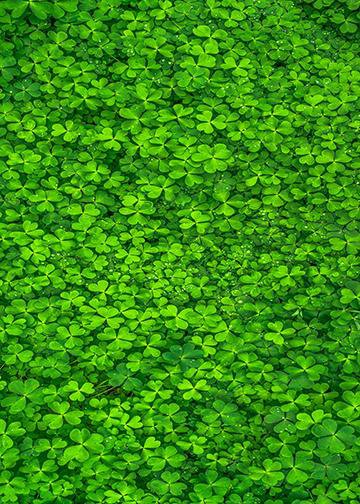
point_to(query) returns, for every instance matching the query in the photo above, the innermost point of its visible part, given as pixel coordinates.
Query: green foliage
(179, 225)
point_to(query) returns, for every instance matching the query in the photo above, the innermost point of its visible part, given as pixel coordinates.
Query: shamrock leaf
(331, 437)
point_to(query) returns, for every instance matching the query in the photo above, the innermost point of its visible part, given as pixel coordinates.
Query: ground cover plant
(179, 252)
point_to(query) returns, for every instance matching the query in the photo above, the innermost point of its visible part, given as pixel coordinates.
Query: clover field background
(179, 259)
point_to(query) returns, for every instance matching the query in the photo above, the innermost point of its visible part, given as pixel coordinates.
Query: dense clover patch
(179, 252)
